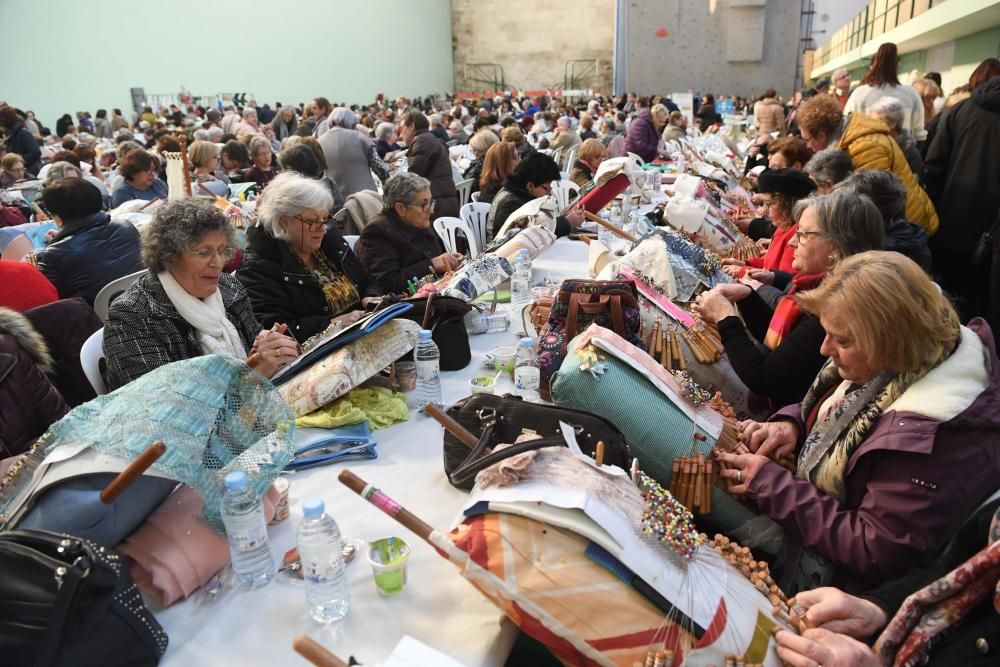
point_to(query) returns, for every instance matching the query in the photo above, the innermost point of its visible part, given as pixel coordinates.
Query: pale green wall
(972, 50)
(61, 57)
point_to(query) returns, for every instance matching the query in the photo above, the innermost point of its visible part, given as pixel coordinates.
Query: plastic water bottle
(520, 286)
(321, 550)
(526, 260)
(526, 373)
(428, 361)
(477, 322)
(246, 530)
(605, 236)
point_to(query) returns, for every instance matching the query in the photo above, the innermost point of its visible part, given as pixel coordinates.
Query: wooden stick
(709, 484)
(149, 203)
(408, 520)
(608, 226)
(599, 454)
(312, 651)
(452, 426)
(132, 472)
(187, 165)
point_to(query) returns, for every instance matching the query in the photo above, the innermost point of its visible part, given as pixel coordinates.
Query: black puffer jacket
(963, 170)
(282, 290)
(512, 197)
(29, 402)
(88, 253)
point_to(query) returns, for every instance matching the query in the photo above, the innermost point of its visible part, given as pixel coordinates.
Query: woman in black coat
(298, 270)
(532, 178)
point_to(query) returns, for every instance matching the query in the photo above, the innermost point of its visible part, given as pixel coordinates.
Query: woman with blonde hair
(501, 158)
(204, 158)
(896, 442)
(479, 143)
(513, 134)
(592, 153)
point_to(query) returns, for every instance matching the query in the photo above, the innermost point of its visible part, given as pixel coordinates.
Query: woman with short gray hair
(299, 270)
(385, 139)
(783, 361)
(827, 168)
(890, 111)
(185, 305)
(262, 156)
(284, 123)
(399, 244)
(344, 117)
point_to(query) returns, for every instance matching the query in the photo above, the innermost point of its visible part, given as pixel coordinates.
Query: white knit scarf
(216, 333)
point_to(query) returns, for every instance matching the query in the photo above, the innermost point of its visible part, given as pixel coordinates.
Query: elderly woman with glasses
(263, 170)
(299, 270)
(772, 345)
(185, 305)
(399, 243)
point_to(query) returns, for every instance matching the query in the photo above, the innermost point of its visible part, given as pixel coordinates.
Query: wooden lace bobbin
(675, 475)
(698, 500)
(187, 165)
(675, 350)
(599, 453)
(666, 354)
(651, 340)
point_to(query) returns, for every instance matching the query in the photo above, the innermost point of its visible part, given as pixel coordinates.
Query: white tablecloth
(438, 606)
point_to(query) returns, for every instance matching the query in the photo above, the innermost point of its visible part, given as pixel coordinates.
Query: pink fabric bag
(174, 553)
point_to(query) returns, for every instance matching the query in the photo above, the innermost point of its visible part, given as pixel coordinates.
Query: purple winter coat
(925, 466)
(642, 137)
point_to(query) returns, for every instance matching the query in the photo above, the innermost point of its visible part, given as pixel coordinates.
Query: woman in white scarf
(186, 305)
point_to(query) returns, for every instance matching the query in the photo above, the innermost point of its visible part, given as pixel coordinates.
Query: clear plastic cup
(389, 557)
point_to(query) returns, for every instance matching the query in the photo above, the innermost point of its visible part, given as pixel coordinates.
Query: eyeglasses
(206, 255)
(802, 237)
(426, 206)
(314, 225)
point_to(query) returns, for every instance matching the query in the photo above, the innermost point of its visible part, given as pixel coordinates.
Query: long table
(438, 606)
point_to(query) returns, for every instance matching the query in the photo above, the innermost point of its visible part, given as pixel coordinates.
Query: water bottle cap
(523, 252)
(313, 508)
(236, 481)
(425, 334)
(527, 342)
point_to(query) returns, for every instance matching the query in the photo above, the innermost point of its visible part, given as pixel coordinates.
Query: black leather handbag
(447, 326)
(499, 419)
(66, 601)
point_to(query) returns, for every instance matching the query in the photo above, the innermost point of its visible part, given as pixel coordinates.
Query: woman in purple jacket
(643, 137)
(897, 440)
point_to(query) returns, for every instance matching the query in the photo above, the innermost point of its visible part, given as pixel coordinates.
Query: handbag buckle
(486, 415)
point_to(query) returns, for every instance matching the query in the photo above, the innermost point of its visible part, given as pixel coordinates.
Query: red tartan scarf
(788, 312)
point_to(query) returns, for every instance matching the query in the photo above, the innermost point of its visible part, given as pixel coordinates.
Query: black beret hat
(791, 182)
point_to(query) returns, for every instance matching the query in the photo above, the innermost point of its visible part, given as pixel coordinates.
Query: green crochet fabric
(379, 406)
(656, 429)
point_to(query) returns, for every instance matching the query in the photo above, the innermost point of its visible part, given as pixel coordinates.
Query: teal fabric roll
(655, 428)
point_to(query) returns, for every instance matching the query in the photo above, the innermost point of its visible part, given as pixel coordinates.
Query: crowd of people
(864, 329)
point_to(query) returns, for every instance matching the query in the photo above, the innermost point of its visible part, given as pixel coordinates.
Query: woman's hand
(743, 224)
(575, 216)
(764, 244)
(731, 270)
(775, 440)
(818, 647)
(732, 261)
(369, 300)
(761, 276)
(274, 349)
(733, 291)
(713, 306)
(741, 469)
(446, 262)
(836, 611)
(349, 318)
(426, 290)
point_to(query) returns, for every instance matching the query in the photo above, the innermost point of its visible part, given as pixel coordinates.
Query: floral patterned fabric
(926, 614)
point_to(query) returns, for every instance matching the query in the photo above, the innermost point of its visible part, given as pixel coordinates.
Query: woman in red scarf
(781, 189)
(782, 362)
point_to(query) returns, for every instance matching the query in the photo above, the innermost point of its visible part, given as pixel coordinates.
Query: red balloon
(662, 32)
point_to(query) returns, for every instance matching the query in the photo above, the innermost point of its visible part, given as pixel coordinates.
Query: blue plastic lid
(236, 480)
(527, 342)
(425, 334)
(313, 508)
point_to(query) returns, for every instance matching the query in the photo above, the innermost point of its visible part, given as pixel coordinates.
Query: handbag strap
(473, 465)
(52, 641)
